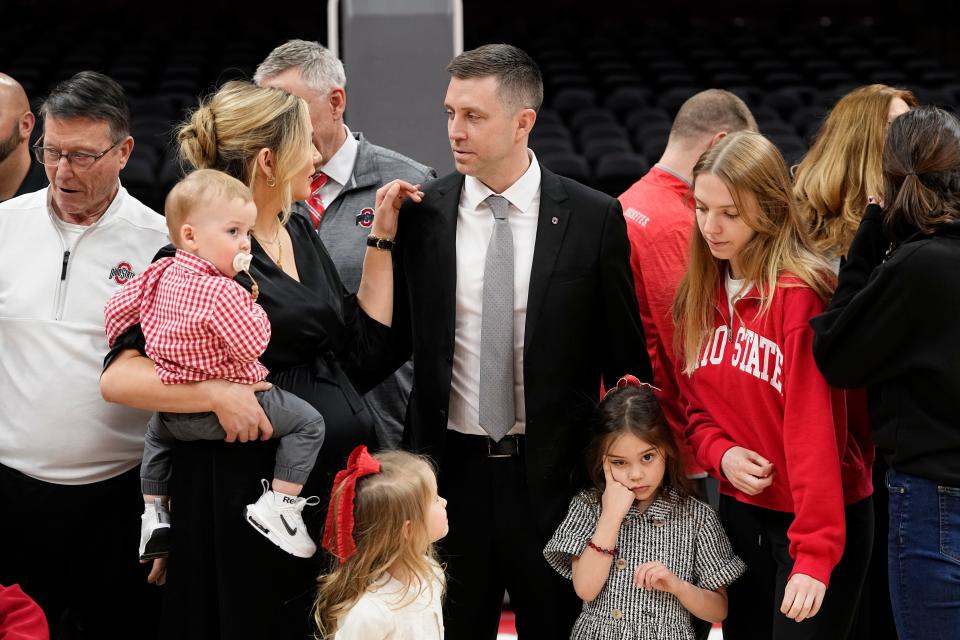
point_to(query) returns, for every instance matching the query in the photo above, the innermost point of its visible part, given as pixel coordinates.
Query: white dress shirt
(339, 169)
(474, 228)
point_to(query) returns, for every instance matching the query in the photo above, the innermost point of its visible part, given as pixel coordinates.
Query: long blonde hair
(229, 128)
(756, 176)
(844, 166)
(400, 493)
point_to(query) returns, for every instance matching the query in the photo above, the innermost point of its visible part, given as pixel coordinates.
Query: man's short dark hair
(93, 95)
(521, 84)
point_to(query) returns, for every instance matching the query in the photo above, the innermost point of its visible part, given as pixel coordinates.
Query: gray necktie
(497, 413)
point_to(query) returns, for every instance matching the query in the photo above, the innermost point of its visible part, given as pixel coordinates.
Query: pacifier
(241, 262)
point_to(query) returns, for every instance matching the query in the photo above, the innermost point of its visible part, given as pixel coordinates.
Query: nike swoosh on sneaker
(286, 526)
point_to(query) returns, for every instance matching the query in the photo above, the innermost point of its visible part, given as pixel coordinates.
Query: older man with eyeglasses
(69, 486)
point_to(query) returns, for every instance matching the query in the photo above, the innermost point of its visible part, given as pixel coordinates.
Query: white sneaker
(277, 517)
(154, 531)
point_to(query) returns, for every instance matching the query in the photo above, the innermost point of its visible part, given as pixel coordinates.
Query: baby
(199, 324)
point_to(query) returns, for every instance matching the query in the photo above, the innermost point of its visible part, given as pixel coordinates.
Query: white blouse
(385, 612)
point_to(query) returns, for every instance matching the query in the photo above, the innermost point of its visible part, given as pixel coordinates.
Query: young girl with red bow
(793, 482)
(643, 553)
(383, 519)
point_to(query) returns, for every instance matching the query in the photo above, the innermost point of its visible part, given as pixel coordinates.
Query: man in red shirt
(659, 218)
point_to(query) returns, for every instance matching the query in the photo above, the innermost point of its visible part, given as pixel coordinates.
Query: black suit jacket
(582, 324)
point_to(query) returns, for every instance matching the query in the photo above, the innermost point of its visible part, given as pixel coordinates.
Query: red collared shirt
(659, 223)
(198, 323)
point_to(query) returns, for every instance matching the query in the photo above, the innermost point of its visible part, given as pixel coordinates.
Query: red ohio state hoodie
(756, 386)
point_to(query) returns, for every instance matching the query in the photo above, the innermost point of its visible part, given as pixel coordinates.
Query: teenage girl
(643, 554)
(794, 486)
(383, 519)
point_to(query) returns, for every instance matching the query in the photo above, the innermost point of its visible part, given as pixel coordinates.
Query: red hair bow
(629, 381)
(339, 540)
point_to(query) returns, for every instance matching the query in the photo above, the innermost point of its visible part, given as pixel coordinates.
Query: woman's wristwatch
(380, 243)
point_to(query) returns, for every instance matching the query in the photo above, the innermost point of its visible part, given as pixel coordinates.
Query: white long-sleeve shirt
(54, 283)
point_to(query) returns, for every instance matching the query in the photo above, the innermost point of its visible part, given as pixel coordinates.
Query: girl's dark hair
(634, 410)
(921, 169)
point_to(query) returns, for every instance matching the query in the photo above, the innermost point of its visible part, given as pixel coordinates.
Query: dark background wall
(615, 72)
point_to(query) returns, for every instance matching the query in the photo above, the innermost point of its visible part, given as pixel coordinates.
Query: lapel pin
(554, 219)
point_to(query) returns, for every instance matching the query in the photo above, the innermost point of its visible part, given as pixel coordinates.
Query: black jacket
(894, 327)
(582, 324)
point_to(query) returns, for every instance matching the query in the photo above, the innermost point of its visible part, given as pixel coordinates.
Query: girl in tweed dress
(643, 553)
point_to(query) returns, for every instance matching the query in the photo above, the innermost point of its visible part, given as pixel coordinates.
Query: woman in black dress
(223, 579)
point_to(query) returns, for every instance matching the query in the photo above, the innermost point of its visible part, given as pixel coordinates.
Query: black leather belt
(506, 447)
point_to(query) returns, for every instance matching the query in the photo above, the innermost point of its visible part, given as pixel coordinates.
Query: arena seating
(610, 97)
(609, 102)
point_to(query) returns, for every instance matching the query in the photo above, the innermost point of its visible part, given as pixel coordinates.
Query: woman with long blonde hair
(843, 167)
(384, 580)
(262, 137)
(761, 418)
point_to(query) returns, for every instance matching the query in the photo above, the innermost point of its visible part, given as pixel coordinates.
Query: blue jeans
(924, 557)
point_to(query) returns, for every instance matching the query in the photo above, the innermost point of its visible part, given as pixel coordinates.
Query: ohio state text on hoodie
(756, 386)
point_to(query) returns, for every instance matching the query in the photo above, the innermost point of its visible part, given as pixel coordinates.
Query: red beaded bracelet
(610, 552)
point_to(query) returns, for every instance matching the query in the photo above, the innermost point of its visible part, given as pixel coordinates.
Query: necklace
(276, 241)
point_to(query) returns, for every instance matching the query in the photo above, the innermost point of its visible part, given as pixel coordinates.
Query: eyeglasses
(50, 156)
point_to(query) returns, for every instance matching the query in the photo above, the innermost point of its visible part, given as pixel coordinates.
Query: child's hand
(802, 597)
(158, 572)
(617, 498)
(655, 575)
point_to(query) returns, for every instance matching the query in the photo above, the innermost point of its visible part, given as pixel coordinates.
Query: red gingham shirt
(198, 323)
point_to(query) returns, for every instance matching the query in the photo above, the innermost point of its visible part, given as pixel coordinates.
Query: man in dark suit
(514, 293)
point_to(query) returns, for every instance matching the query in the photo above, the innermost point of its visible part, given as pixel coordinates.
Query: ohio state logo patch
(121, 273)
(365, 218)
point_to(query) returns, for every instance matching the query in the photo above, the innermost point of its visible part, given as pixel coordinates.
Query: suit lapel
(551, 226)
(444, 201)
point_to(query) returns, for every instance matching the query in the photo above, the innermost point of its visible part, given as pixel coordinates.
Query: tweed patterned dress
(682, 533)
